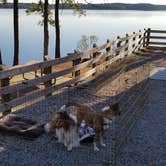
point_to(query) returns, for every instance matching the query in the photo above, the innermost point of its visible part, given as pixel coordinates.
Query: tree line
(101, 6)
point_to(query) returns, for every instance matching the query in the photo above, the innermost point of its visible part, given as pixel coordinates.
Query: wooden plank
(110, 61)
(121, 48)
(20, 69)
(135, 35)
(36, 81)
(148, 37)
(157, 31)
(157, 48)
(38, 93)
(76, 62)
(27, 68)
(134, 43)
(106, 45)
(118, 45)
(127, 44)
(101, 58)
(4, 83)
(157, 43)
(139, 44)
(107, 51)
(144, 38)
(139, 37)
(157, 37)
(114, 59)
(98, 48)
(133, 40)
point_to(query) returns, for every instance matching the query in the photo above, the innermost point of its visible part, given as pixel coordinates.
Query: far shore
(102, 6)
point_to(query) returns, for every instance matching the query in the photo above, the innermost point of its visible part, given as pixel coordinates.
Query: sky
(110, 1)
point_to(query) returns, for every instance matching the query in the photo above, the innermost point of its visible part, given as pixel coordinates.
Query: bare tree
(57, 30)
(46, 33)
(16, 33)
(16, 30)
(74, 5)
(45, 12)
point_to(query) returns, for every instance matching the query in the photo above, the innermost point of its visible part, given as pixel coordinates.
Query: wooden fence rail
(79, 69)
(155, 38)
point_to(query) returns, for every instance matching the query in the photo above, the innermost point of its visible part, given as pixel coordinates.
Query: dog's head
(59, 120)
(115, 109)
(110, 112)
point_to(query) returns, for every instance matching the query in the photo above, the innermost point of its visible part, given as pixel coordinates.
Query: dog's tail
(47, 127)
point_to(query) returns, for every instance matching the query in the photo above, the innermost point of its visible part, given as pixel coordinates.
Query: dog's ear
(64, 115)
(62, 108)
(114, 107)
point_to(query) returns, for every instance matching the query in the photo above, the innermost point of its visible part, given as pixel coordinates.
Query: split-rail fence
(83, 66)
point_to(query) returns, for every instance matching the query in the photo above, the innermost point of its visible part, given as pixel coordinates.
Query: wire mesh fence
(130, 89)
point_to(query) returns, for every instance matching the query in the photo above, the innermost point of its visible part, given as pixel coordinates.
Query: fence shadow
(132, 100)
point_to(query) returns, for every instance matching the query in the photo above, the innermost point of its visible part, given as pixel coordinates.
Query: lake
(102, 23)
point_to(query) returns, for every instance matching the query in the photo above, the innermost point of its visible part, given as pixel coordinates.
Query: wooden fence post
(139, 42)
(148, 37)
(94, 56)
(134, 38)
(139, 37)
(47, 84)
(127, 44)
(76, 62)
(118, 45)
(144, 39)
(5, 82)
(107, 51)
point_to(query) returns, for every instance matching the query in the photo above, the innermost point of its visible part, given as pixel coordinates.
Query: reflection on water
(102, 23)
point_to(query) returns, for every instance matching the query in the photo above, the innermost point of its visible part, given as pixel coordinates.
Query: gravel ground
(146, 145)
(44, 150)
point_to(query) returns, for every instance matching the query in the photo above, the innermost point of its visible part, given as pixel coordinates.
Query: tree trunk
(46, 42)
(46, 34)
(57, 30)
(16, 33)
(1, 58)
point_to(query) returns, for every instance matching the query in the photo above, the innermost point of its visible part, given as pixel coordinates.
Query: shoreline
(101, 6)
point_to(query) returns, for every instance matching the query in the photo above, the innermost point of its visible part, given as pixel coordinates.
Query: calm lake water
(104, 24)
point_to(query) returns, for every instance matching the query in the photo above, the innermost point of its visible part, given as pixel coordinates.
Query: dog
(64, 128)
(66, 123)
(98, 120)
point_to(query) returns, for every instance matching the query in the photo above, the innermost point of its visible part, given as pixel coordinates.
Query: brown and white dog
(63, 127)
(66, 123)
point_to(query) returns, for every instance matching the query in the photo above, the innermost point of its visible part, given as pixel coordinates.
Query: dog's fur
(64, 127)
(66, 124)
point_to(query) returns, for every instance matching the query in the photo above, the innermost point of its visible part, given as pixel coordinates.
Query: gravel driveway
(45, 150)
(147, 144)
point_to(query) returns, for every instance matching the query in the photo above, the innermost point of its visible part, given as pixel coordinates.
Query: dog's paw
(96, 149)
(55, 136)
(69, 148)
(103, 145)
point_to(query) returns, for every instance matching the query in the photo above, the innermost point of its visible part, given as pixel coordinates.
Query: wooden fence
(72, 69)
(155, 38)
